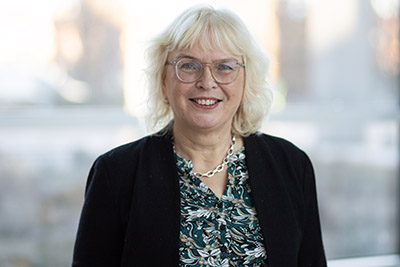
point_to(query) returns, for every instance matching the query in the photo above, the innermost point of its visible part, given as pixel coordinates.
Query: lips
(205, 101)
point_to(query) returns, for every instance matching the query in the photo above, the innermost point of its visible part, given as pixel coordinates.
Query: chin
(211, 125)
(203, 122)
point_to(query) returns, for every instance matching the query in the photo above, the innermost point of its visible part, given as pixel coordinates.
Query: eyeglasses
(191, 70)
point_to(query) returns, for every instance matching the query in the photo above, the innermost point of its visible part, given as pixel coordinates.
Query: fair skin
(202, 133)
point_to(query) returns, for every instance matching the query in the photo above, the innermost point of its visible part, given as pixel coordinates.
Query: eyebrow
(180, 56)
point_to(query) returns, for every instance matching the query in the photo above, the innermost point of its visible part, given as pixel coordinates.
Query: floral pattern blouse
(219, 232)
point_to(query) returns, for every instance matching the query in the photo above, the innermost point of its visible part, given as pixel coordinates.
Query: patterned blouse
(219, 232)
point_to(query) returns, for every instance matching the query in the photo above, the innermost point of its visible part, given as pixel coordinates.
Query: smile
(205, 102)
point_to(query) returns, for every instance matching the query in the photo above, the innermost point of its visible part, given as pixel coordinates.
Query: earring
(165, 101)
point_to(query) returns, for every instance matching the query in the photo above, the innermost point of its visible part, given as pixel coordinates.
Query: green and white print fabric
(219, 232)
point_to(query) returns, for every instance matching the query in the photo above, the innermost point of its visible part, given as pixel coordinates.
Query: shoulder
(134, 149)
(278, 151)
(275, 145)
(124, 161)
(119, 166)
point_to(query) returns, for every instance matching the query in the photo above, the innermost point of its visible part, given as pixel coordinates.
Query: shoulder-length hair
(210, 28)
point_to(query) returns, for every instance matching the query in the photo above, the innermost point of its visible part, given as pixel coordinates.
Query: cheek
(239, 84)
(174, 90)
(168, 83)
(238, 91)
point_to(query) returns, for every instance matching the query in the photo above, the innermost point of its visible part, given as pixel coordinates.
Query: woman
(206, 190)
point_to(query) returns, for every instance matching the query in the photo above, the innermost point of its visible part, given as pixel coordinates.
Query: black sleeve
(311, 252)
(99, 240)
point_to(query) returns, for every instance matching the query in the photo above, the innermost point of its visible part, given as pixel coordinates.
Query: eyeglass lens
(190, 70)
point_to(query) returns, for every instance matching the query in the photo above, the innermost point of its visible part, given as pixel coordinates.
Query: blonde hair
(209, 28)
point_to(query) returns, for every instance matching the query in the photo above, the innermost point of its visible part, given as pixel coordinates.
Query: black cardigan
(131, 214)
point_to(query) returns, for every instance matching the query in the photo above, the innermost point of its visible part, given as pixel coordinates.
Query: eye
(189, 65)
(226, 66)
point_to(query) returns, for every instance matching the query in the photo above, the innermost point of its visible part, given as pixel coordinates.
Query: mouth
(205, 101)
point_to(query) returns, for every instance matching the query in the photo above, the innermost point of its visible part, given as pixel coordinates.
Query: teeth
(205, 102)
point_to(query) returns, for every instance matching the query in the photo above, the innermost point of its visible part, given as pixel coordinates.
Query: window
(338, 92)
(71, 88)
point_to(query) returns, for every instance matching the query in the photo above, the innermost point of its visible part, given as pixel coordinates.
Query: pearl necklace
(221, 166)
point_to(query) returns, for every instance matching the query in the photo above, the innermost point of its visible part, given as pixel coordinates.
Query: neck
(204, 149)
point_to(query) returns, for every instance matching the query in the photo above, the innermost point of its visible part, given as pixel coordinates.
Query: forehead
(206, 55)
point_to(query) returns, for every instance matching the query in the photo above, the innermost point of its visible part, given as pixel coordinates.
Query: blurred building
(68, 81)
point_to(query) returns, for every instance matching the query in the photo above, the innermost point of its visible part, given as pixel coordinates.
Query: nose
(207, 80)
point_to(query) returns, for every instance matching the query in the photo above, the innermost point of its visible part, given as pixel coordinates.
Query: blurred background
(72, 87)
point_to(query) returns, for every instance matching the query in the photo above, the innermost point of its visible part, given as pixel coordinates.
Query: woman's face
(189, 100)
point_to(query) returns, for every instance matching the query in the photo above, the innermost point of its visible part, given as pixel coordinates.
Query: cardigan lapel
(153, 231)
(277, 221)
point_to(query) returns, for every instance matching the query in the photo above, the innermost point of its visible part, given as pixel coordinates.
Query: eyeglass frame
(175, 62)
